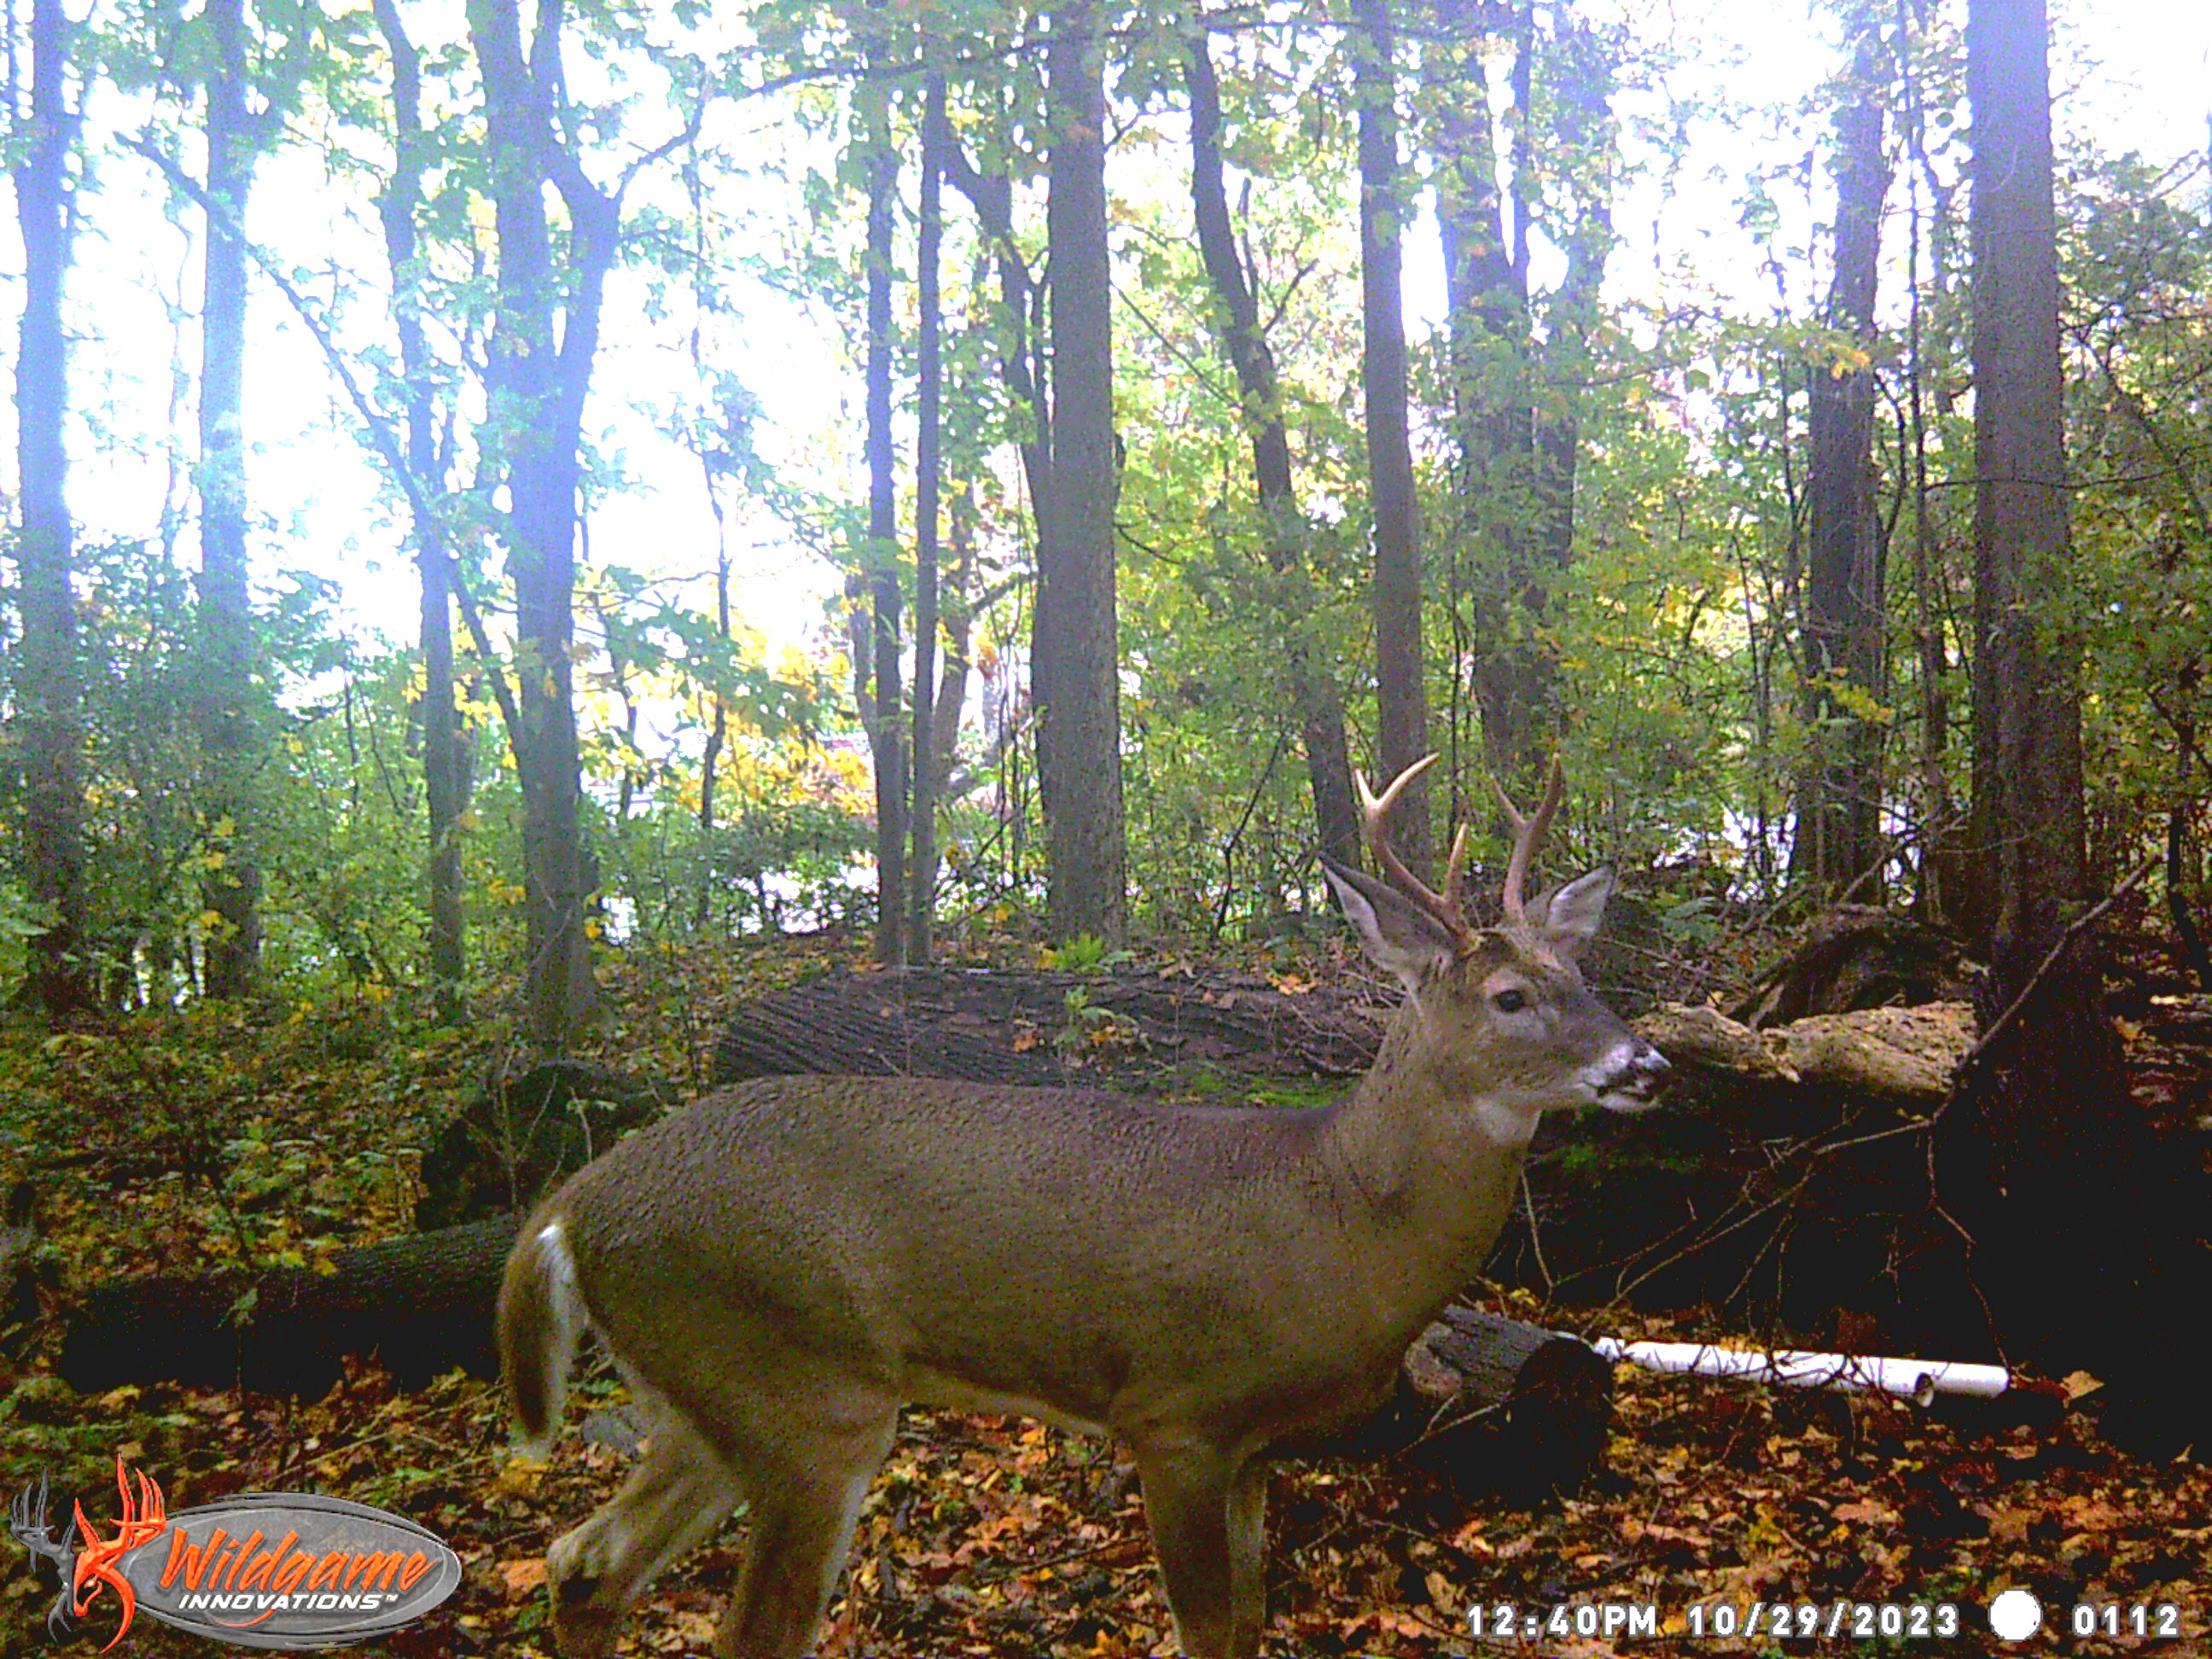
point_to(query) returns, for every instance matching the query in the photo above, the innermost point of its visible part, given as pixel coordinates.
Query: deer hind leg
(1207, 1515)
(676, 1498)
(806, 1486)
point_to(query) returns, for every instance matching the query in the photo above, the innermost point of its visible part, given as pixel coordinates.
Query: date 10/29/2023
(1847, 1620)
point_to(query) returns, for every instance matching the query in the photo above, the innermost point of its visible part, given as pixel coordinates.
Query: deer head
(1503, 1008)
(781, 1266)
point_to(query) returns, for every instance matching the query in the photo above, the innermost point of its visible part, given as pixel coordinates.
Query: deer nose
(1634, 1080)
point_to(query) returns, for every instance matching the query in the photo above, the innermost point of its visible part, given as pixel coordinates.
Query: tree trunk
(1283, 529)
(2027, 812)
(991, 196)
(535, 424)
(1839, 848)
(886, 739)
(959, 629)
(1494, 424)
(928, 486)
(1401, 704)
(49, 678)
(717, 734)
(1941, 875)
(229, 667)
(443, 778)
(1077, 686)
(2081, 1224)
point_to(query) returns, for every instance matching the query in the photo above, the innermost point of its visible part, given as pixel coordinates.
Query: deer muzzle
(1630, 1077)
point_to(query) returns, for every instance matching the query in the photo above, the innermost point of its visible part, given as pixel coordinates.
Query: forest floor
(279, 1135)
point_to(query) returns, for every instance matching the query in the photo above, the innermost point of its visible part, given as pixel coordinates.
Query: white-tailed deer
(782, 1266)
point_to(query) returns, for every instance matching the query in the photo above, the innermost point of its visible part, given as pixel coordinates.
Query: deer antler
(1528, 837)
(1447, 907)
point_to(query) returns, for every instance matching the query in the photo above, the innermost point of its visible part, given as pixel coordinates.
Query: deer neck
(1426, 1156)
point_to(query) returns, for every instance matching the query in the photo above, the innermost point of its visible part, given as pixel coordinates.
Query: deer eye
(1509, 1002)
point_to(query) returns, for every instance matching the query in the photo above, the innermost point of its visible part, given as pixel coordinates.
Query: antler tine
(1376, 811)
(1455, 873)
(1528, 837)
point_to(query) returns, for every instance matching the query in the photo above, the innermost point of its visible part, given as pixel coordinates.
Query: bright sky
(2136, 72)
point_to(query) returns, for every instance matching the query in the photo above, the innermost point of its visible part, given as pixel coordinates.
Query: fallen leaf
(1867, 1511)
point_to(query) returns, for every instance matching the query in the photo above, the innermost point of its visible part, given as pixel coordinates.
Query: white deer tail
(541, 1314)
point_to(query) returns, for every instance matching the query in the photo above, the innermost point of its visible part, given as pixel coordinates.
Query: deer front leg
(1207, 1519)
(675, 1498)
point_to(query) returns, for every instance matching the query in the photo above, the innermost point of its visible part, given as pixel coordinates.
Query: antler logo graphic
(94, 1566)
(27, 1523)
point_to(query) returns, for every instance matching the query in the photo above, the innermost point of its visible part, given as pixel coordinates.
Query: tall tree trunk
(928, 481)
(49, 684)
(886, 737)
(2027, 812)
(1079, 693)
(443, 777)
(1402, 700)
(1839, 848)
(959, 606)
(1582, 92)
(1493, 417)
(1283, 529)
(2080, 1224)
(535, 425)
(1940, 874)
(1020, 341)
(228, 668)
(717, 733)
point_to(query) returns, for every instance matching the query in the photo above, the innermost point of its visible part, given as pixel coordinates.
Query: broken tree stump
(1494, 1407)
(1855, 957)
(520, 1136)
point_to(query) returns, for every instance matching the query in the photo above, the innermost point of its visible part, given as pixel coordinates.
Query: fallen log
(1490, 1404)
(1901, 1054)
(1127, 1030)
(1151, 1033)
(422, 1304)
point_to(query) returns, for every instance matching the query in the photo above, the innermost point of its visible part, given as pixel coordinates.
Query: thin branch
(382, 439)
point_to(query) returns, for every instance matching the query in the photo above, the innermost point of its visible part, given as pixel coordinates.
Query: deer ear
(1399, 936)
(1568, 916)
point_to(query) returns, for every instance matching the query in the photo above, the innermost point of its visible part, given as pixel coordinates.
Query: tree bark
(1401, 697)
(1078, 684)
(1493, 420)
(228, 668)
(2079, 1222)
(2027, 812)
(537, 391)
(929, 488)
(50, 679)
(1283, 529)
(444, 778)
(886, 739)
(1839, 848)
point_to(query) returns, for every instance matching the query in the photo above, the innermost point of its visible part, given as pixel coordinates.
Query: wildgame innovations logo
(261, 1570)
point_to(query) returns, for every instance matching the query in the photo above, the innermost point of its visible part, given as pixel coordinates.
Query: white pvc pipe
(1917, 1379)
